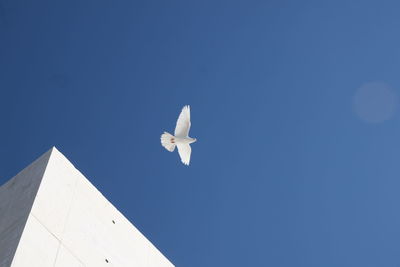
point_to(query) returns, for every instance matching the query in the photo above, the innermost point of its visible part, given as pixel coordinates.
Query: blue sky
(286, 172)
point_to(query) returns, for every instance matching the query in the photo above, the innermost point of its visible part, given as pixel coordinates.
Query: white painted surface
(55, 194)
(37, 247)
(66, 259)
(70, 222)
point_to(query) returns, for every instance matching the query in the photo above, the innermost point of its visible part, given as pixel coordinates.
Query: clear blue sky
(284, 173)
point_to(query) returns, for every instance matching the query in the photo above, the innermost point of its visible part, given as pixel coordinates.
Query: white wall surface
(69, 224)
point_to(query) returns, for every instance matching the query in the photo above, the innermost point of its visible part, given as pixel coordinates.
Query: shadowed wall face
(16, 200)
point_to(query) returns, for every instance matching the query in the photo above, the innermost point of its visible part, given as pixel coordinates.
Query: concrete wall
(16, 200)
(69, 223)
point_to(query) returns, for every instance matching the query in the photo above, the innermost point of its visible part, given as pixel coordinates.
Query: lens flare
(375, 102)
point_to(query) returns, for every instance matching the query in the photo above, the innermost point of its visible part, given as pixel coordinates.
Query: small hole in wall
(113, 221)
(106, 260)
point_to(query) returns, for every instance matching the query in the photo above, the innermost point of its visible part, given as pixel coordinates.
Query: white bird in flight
(181, 138)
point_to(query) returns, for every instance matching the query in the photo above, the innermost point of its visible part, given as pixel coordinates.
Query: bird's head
(194, 140)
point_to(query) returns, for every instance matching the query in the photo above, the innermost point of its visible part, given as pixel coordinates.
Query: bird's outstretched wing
(184, 152)
(183, 124)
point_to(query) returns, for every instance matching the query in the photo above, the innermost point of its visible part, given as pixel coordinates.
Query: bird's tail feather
(168, 141)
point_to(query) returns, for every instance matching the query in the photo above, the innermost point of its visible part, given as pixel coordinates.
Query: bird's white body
(184, 140)
(181, 138)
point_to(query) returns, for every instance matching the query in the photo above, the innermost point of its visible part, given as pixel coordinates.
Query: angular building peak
(51, 215)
